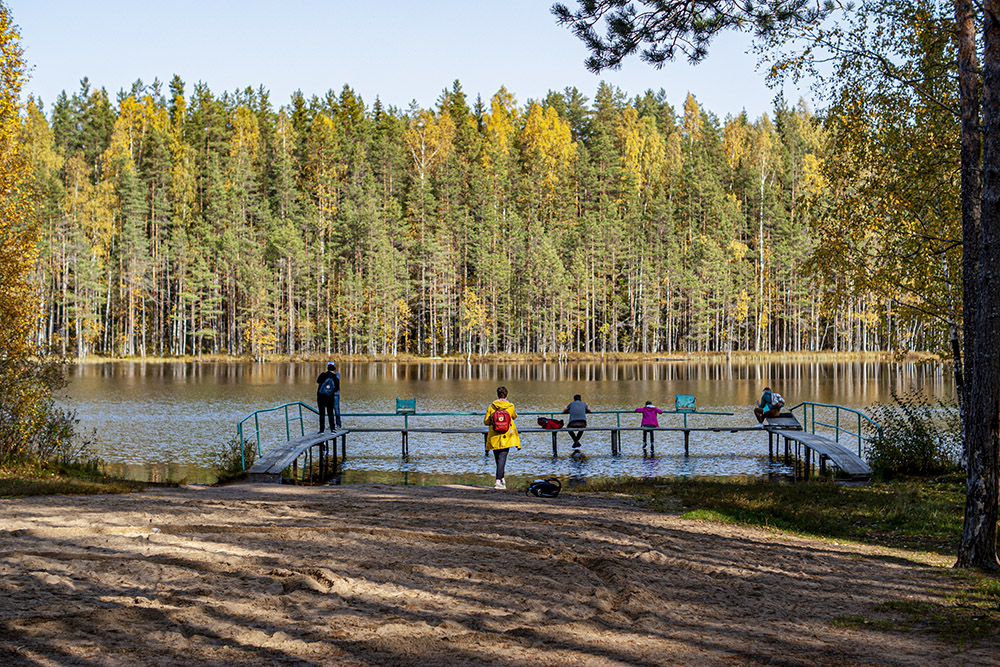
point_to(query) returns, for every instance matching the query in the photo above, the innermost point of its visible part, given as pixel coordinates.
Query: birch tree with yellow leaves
(17, 222)
(31, 427)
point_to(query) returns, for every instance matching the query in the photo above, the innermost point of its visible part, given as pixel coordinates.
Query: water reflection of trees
(719, 369)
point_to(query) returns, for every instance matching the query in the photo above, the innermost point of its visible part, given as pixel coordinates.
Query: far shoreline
(503, 358)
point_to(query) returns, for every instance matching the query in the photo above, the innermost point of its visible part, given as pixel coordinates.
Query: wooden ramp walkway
(787, 426)
(269, 467)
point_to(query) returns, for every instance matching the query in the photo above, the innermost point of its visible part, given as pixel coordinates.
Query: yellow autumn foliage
(18, 249)
(548, 143)
(643, 151)
(691, 121)
(500, 126)
(429, 138)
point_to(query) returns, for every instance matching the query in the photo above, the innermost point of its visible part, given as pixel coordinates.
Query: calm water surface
(160, 421)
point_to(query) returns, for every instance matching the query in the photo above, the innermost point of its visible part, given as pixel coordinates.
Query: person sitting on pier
(577, 411)
(649, 412)
(328, 396)
(503, 434)
(769, 406)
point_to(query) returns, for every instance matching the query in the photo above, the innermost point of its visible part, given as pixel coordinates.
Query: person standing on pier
(502, 435)
(769, 406)
(328, 396)
(649, 421)
(577, 411)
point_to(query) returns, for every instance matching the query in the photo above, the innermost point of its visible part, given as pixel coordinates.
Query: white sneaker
(500, 484)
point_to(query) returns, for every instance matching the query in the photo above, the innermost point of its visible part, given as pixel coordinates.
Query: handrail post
(256, 423)
(859, 435)
(288, 433)
(837, 422)
(302, 423)
(239, 433)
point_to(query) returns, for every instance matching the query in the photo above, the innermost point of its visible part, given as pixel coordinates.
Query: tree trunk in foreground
(978, 548)
(971, 160)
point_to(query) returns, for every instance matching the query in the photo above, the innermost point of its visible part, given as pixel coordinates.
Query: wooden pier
(320, 460)
(787, 427)
(275, 461)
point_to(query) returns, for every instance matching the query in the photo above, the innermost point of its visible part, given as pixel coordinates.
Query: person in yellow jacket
(500, 441)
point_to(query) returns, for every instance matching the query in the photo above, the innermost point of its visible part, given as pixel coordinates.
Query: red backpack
(501, 420)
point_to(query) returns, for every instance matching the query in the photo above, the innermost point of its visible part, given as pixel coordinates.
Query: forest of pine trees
(189, 224)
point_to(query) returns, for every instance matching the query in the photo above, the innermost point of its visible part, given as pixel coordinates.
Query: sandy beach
(386, 575)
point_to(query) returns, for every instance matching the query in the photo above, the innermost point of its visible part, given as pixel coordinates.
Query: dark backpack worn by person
(328, 388)
(501, 420)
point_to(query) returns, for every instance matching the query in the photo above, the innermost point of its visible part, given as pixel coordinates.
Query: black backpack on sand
(545, 488)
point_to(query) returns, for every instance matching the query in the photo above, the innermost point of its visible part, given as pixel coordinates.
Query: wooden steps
(269, 467)
(788, 427)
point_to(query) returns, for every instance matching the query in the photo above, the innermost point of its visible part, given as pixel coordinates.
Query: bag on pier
(545, 422)
(777, 402)
(501, 420)
(544, 488)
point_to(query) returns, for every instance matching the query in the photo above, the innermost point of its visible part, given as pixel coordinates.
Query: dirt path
(416, 575)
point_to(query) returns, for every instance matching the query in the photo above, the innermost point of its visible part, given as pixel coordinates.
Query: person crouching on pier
(768, 406)
(503, 435)
(649, 412)
(577, 411)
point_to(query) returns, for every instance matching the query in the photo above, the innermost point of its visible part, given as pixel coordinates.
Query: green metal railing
(810, 422)
(299, 405)
(255, 416)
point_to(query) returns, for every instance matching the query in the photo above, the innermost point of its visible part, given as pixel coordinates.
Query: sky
(396, 50)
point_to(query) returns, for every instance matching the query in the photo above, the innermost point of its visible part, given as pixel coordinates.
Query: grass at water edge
(46, 478)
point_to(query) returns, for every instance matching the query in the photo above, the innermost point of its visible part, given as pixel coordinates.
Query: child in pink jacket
(649, 412)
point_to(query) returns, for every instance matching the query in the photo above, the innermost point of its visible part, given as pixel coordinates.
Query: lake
(164, 421)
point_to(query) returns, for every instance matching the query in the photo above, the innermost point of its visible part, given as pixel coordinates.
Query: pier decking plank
(786, 421)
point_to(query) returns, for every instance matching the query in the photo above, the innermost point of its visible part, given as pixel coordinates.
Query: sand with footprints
(392, 575)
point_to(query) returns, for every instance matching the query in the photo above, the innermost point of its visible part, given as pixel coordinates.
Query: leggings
(501, 456)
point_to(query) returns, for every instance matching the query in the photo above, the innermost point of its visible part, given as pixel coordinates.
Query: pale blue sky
(400, 51)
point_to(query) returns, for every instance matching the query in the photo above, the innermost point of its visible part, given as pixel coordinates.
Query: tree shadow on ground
(394, 575)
